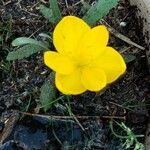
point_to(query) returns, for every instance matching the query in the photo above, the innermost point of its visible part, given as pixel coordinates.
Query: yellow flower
(83, 60)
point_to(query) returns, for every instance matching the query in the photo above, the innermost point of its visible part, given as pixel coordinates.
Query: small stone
(123, 24)
(120, 8)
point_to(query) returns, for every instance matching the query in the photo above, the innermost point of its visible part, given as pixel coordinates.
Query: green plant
(48, 93)
(98, 10)
(5, 66)
(28, 46)
(25, 47)
(131, 140)
(5, 31)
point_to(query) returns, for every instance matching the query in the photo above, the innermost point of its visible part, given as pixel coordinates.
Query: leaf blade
(24, 40)
(55, 10)
(48, 93)
(97, 11)
(47, 13)
(23, 52)
(128, 57)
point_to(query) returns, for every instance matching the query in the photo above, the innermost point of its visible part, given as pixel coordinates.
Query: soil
(126, 100)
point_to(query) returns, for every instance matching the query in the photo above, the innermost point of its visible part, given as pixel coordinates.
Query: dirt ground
(124, 101)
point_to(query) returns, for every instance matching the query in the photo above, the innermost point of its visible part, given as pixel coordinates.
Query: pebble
(123, 24)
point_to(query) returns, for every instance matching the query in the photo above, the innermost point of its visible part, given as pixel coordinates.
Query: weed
(130, 138)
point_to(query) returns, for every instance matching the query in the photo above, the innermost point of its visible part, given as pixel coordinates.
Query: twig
(124, 50)
(77, 3)
(34, 6)
(43, 1)
(66, 2)
(75, 118)
(118, 105)
(36, 31)
(121, 36)
(6, 3)
(32, 14)
(71, 117)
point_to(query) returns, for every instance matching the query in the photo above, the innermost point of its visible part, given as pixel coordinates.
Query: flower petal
(112, 63)
(94, 42)
(93, 79)
(58, 62)
(68, 33)
(70, 84)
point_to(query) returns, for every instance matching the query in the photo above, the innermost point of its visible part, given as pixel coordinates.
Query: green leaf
(24, 52)
(47, 13)
(128, 57)
(55, 10)
(99, 10)
(46, 36)
(86, 6)
(23, 40)
(48, 93)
